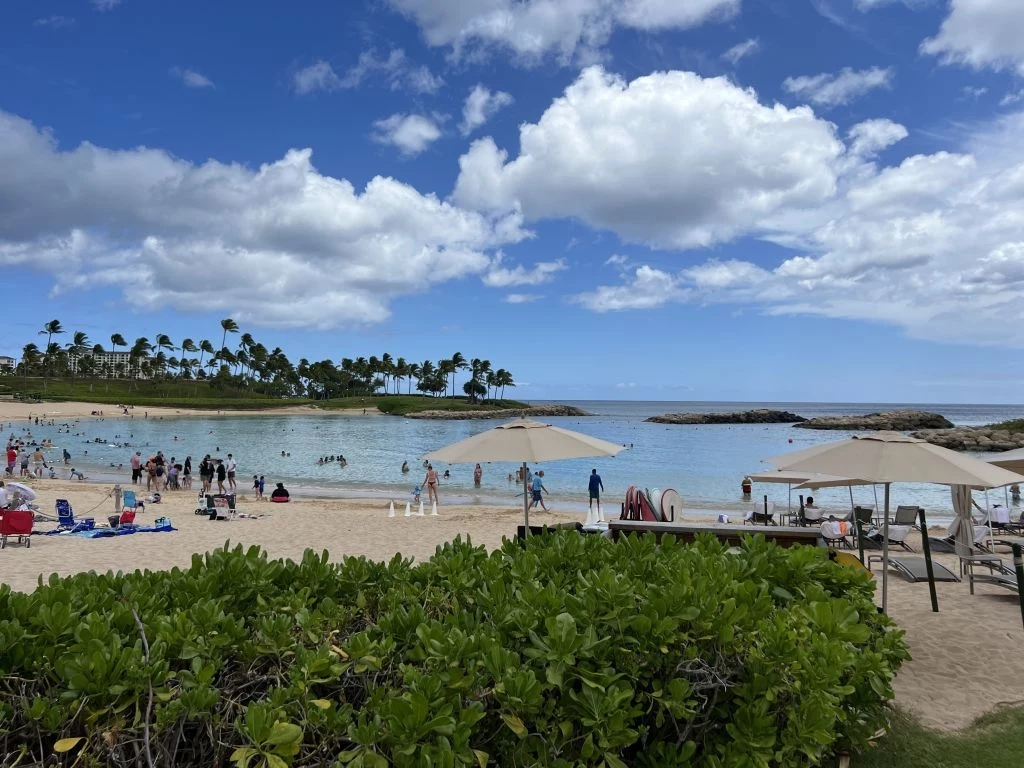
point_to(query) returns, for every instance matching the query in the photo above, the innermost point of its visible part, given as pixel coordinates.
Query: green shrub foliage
(565, 651)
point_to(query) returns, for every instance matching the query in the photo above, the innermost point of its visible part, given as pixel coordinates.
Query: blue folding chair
(65, 515)
(129, 503)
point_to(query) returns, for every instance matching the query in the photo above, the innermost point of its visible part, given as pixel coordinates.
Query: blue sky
(650, 199)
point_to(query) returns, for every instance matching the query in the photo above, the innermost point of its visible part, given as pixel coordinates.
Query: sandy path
(967, 658)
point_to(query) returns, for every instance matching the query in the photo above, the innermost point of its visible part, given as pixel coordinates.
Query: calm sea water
(704, 463)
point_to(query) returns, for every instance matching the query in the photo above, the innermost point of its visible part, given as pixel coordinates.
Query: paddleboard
(671, 505)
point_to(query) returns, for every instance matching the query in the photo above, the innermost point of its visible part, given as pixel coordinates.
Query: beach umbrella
(526, 441)
(801, 479)
(891, 457)
(1011, 460)
(28, 494)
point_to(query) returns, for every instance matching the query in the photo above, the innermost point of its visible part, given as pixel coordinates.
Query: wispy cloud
(542, 272)
(54, 21)
(833, 89)
(105, 5)
(522, 298)
(191, 78)
(740, 51)
(395, 69)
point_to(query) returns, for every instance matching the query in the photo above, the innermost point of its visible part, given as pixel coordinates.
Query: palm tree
(229, 326)
(458, 364)
(414, 372)
(30, 358)
(51, 329)
(163, 341)
(503, 378)
(446, 368)
(117, 340)
(401, 371)
(187, 345)
(77, 348)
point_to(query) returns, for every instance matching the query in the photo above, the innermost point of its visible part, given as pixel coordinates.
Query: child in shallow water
(416, 494)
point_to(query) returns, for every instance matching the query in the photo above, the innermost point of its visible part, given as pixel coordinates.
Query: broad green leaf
(515, 724)
(321, 703)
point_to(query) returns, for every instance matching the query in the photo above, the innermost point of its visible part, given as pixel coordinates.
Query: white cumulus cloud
(292, 246)
(981, 33)
(481, 105)
(670, 159)
(411, 134)
(531, 29)
(833, 89)
(318, 76)
(872, 136)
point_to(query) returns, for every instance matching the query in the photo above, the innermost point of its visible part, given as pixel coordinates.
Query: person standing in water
(430, 481)
(478, 475)
(596, 486)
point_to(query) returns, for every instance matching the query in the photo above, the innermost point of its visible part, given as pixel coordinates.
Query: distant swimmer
(405, 467)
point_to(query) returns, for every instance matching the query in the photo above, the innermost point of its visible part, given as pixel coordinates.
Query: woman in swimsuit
(431, 482)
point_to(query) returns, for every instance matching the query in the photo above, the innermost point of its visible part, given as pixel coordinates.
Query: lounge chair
(17, 523)
(915, 569)
(906, 516)
(997, 574)
(761, 515)
(947, 543)
(832, 533)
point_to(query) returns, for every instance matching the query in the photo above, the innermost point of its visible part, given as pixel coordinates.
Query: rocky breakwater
(760, 416)
(973, 438)
(533, 412)
(893, 421)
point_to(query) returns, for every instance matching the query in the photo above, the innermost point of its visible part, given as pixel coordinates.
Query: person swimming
(405, 467)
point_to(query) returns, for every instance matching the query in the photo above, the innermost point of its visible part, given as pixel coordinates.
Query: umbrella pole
(988, 514)
(927, 548)
(526, 502)
(852, 507)
(885, 552)
(1018, 566)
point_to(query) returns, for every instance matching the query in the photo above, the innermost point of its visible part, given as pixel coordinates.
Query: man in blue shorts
(596, 486)
(538, 489)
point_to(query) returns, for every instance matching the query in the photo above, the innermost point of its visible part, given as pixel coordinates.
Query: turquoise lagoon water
(704, 463)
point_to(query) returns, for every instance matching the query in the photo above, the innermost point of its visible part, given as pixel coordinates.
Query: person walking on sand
(231, 467)
(430, 481)
(538, 490)
(478, 475)
(596, 486)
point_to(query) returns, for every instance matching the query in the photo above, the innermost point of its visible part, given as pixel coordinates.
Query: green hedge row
(565, 651)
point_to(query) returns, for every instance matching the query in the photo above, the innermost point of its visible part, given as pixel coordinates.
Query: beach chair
(997, 573)
(17, 523)
(832, 533)
(915, 569)
(221, 506)
(947, 544)
(761, 514)
(905, 516)
(129, 502)
(65, 515)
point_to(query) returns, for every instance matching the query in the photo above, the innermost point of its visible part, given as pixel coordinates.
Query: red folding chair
(127, 518)
(16, 522)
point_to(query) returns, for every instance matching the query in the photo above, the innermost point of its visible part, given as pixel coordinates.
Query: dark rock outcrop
(759, 416)
(973, 438)
(895, 421)
(536, 411)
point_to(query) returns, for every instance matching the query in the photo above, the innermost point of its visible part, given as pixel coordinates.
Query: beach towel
(106, 533)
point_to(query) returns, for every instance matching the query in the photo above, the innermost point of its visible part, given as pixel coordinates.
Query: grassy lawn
(993, 741)
(192, 394)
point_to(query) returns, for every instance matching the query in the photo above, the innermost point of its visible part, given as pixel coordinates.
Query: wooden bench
(784, 536)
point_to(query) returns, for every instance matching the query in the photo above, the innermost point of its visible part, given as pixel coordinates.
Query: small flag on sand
(408, 509)
(420, 512)
(433, 509)
(391, 509)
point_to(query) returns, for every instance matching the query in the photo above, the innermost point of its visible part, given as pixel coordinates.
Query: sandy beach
(13, 410)
(965, 657)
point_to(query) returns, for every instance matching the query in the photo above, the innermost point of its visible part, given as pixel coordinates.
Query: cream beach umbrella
(1011, 460)
(804, 480)
(891, 457)
(526, 441)
(26, 493)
